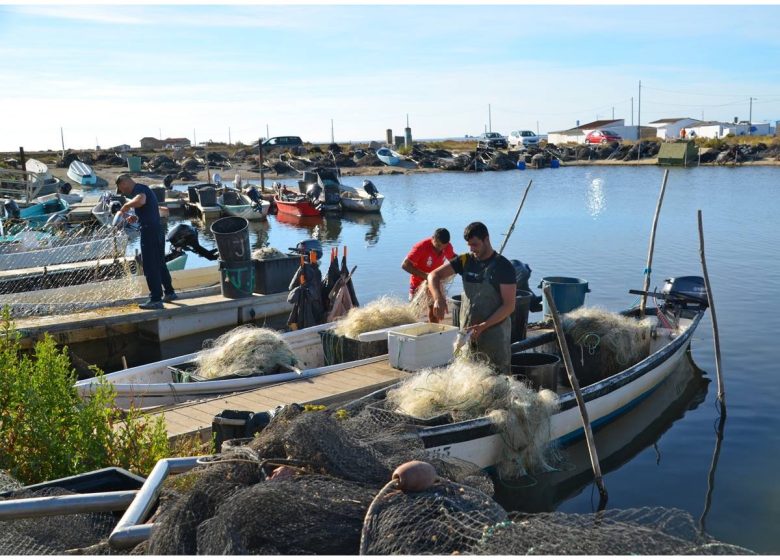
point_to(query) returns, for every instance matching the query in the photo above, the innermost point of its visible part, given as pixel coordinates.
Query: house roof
(589, 126)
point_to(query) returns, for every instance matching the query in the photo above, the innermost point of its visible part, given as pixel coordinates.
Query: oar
(512, 227)
(711, 303)
(648, 268)
(575, 385)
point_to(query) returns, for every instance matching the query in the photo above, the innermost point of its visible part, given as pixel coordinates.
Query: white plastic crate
(421, 345)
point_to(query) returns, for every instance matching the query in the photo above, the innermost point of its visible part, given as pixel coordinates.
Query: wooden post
(512, 227)
(721, 388)
(262, 175)
(22, 159)
(575, 385)
(648, 268)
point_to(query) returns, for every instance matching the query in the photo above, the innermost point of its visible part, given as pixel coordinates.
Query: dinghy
(365, 199)
(388, 156)
(82, 173)
(36, 214)
(236, 203)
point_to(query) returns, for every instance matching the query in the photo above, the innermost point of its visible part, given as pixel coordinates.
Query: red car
(602, 137)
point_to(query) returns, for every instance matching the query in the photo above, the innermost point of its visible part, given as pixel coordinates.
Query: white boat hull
(82, 173)
(247, 210)
(92, 249)
(363, 204)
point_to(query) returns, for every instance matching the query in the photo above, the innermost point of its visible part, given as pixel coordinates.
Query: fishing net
(381, 313)
(243, 351)
(268, 253)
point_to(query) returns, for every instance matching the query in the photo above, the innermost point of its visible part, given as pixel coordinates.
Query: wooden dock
(191, 419)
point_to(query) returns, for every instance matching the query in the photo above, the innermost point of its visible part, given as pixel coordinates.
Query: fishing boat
(365, 199)
(236, 203)
(481, 442)
(33, 248)
(71, 197)
(82, 173)
(164, 382)
(295, 204)
(37, 167)
(388, 156)
(35, 214)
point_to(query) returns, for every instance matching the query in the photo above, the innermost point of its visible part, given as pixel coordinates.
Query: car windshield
(609, 133)
(492, 135)
(527, 133)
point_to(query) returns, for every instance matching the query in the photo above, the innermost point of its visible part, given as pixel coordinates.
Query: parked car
(524, 138)
(283, 142)
(602, 137)
(491, 140)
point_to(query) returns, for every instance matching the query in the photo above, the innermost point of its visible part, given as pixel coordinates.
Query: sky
(113, 74)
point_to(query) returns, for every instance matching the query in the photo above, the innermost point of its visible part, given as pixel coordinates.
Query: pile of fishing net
(244, 351)
(267, 254)
(619, 341)
(381, 313)
(467, 389)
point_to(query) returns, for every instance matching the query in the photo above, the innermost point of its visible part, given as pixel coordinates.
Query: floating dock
(192, 419)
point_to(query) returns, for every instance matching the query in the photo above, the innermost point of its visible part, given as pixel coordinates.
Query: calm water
(594, 223)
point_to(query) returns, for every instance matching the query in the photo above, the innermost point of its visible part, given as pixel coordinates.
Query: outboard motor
(185, 237)
(11, 209)
(254, 195)
(65, 188)
(314, 191)
(685, 291)
(307, 245)
(168, 181)
(522, 276)
(370, 188)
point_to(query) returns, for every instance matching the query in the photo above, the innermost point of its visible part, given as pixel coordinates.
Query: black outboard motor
(168, 181)
(522, 276)
(314, 191)
(370, 188)
(65, 188)
(685, 291)
(307, 245)
(254, 195)
(11, 209)
(185, 237)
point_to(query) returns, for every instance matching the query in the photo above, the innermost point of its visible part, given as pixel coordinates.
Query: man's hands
(440, 308)
(477, 330)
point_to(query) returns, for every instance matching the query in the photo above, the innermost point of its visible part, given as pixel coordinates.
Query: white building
(577, 135)
(715, 129)
(669, 129)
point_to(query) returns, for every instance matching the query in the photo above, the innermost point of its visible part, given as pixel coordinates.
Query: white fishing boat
(481, 442)
(72, 197)
(388, 156)
(160, 383)
(236, 203)
(82, 173)
(33, 248)
(37, 167)
(365, 199)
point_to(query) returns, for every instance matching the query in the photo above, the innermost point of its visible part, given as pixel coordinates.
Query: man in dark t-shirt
(147, 212)
(488, 300)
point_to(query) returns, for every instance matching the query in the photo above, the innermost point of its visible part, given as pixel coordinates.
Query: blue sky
(118, 73)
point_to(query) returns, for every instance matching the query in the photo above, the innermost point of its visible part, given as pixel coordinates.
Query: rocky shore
(200, 164)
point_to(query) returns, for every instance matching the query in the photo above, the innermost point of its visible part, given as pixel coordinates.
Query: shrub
(47, 431)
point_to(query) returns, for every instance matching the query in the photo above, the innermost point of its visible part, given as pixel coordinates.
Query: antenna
(332, 138)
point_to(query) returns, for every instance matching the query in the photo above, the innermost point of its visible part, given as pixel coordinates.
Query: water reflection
(617, 443)
(374, 221)
(596, 199)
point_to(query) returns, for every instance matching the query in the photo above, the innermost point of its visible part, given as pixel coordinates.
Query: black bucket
(208, 196)
(237, 278)
(538, 368)
(159, 193)
(232, 236)
(192, 193)
(519, 318)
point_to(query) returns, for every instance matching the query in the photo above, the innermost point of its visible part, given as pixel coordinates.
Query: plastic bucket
(555, 163)
(538, 368)
(237, 278)
(133, 164)
(520, 316)
(521, 164)
(232, 236)
(159, 192)
(567, 293)
(192, 193)
(208, 196)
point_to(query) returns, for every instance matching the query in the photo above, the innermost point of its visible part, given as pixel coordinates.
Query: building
(151, 143)
(669, 129)
(577, 135)
(716, 129)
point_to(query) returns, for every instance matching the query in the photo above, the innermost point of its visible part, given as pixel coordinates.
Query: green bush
(47, 431)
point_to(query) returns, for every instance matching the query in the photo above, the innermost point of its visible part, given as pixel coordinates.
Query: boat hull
(93, 249)
(302, 208)
(82, 173)
(363, 204)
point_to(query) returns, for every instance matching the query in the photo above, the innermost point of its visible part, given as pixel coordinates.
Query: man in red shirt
(426, 256)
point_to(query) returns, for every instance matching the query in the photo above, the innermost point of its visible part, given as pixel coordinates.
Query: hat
(120, 178)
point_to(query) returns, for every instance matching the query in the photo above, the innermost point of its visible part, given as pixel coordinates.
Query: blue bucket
(567, 293)
(555, 163)
(521, 164)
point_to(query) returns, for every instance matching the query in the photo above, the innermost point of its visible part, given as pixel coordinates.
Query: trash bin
(159, 192)
(133, 164)
(567, 293)
(273, 275)
(232, 236)
(237, 278)
(208, 196)
(540, 369)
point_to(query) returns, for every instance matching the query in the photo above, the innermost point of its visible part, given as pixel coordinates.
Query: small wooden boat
(295, 204)
(365, 199)
(236, 203)
(479, 441)
(82, 173)
(162, 383)
(388, 156)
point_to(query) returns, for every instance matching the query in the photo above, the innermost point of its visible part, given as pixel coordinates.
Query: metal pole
(721, 388)
(648, 268)
(262, 173)
(750, 117)
(332, 137)
(62, 137)
(575, 385)
(230, 140)
(490, 120)
(639, 123)
(61, 505)
(512, 227)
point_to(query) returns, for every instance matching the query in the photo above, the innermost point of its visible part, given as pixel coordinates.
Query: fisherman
(489, 293)
(426, 256)
(147, 213)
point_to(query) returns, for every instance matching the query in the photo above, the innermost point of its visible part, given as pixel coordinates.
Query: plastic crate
(274, 275)
(421, 345)
(339, 349)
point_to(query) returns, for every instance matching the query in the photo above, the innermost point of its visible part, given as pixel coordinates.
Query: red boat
(294, 204)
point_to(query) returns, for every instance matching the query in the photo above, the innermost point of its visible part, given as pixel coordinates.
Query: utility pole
(490, 120)
(750, 117)
(159, 132)
(632, 111)
(332, 137)
(194, 139)
(613, 113)
(62, 137)
(537, 128)
(639, 123)
(267, 134)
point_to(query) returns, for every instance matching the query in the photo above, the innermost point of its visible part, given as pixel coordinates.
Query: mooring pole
(512, 227)
(262, 175)
(575, 385)
(721, 388)
(648, 268)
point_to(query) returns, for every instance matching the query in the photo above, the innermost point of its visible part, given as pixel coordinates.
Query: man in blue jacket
(147, 213)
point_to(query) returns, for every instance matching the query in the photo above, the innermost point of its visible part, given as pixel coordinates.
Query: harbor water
(594, 223)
